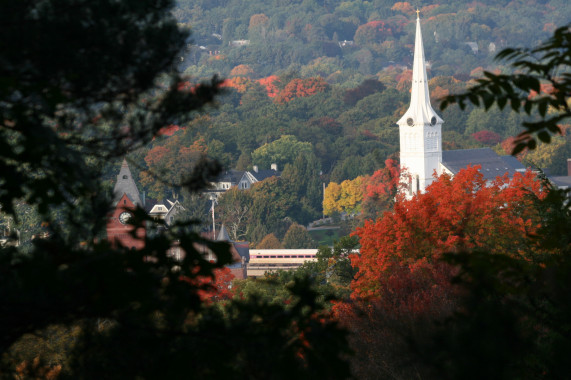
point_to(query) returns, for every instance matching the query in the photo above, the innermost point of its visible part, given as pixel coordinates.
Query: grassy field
(325, 237)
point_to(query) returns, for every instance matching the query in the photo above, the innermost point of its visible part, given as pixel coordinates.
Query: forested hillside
(333, 77)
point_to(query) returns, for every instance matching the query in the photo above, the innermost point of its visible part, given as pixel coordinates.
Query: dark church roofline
(492, 165)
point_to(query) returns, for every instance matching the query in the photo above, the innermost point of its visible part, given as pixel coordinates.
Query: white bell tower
(420, 128)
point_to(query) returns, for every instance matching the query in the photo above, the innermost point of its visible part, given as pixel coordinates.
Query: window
(125, 177)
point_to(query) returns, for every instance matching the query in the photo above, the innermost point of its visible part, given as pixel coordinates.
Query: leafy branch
(543, 67)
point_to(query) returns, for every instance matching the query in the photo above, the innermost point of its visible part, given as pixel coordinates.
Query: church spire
(420, 128)
(126, 185)
(420, 111)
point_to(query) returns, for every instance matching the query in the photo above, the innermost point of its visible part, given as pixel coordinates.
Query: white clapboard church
(420, 131)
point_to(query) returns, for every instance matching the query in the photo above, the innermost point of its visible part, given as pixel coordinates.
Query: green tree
(297, 237)
(302, 178)
(281, 151)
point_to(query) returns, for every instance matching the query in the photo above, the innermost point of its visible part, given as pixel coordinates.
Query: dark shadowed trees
(82, 84)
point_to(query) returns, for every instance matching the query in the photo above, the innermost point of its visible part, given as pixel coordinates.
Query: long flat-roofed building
(266, 260)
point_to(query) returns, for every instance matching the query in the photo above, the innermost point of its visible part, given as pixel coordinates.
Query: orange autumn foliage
(156, 155)
(429, 8)
(241, 70)
(217, 289)
(437, 94)
(270, 84)
(168, 130)
(239, 83)
(466, 212)
(404, 7)
(299, 88)
(36, 370)
(404, 80)
(197, 149)
(508, 146)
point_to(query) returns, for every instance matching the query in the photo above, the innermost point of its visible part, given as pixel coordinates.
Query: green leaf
(542, 107)
(518, 148)
(474, 99)
(443, 104)
(544, 136)
(527, 106)
(533, 84)
(502, 102)
(488, 100)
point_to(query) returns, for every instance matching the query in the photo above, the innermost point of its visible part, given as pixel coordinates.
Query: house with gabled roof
(243, 180)
(257, 175)
(166, 211)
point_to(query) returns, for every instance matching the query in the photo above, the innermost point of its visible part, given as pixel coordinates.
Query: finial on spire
(417, 13)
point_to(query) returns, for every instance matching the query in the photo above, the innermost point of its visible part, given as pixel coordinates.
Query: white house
(242, 179)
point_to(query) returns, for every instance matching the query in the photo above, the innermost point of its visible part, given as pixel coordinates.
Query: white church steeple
(420, 127)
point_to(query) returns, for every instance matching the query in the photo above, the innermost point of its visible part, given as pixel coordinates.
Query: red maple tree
(461, 213)
(487, 137)
(213, 289)
(379, 189)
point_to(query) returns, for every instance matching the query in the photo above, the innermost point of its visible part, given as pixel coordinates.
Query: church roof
(243, 249)
(492, 164)
(126, 185)
(223, 234)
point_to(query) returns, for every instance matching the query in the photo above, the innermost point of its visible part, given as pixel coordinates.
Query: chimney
(255, 168)
(569, 167)
(275, 167)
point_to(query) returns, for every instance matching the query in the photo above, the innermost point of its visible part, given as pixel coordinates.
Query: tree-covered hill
(292, 79)
(295, 33)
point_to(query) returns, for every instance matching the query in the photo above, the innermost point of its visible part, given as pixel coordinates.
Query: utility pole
(213, 220)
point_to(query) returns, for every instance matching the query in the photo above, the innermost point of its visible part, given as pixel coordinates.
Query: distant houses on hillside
(243, 180)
